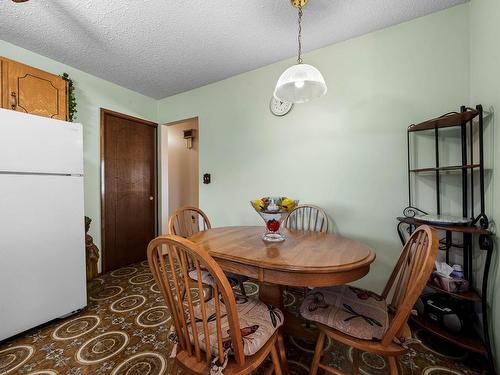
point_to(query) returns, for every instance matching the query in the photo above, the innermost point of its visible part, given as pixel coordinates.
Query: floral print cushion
(353, 311)
(258, 322)
(208, 279)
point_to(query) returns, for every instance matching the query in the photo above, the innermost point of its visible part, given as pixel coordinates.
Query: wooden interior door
(34, 91)
(128, 181)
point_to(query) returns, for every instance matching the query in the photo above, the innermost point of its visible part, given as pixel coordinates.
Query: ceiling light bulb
(299, 84)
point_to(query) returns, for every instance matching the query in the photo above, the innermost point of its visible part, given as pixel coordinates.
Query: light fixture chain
(299, 38)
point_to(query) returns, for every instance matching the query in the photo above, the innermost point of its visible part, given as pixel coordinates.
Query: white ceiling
(163, 47)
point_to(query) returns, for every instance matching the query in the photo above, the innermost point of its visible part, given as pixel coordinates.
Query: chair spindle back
(409, 277)
(186, 221)
(190, 316)
(307, 217)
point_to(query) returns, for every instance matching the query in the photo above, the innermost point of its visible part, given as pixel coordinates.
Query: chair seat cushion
(353, 311)
(258, 323)
(208, 279)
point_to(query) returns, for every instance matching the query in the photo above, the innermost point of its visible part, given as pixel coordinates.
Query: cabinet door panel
(3, 84)
(34, 91)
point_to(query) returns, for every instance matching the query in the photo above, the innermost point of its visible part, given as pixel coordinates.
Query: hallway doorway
(179, 167)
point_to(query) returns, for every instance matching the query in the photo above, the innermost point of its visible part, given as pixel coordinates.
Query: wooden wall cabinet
(31, 90)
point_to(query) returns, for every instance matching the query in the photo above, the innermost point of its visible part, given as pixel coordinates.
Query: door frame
(102, 167)
(161, 159)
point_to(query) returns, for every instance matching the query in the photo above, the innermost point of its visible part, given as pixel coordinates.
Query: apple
(273, 225)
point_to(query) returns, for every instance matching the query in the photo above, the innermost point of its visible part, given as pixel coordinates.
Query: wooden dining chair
(307, 217)
(206, 332)
(367, 321)
(186, 221)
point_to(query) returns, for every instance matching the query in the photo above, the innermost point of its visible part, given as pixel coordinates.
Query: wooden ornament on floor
(91, 252)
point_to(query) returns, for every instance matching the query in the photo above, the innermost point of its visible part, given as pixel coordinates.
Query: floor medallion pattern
(102, 347)
(76, 327)
(124, 330)
(128, 303)
(124, 272)
(153, 317)
(14, 357)
(142, 364)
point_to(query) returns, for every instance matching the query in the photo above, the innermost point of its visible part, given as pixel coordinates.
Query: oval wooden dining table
(304, 259)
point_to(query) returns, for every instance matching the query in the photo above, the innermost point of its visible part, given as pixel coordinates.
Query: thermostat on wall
(207, 178)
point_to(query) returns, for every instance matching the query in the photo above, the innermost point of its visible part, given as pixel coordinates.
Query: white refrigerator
(42, 233)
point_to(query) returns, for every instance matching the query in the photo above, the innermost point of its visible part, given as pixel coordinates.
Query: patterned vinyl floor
(124, 331)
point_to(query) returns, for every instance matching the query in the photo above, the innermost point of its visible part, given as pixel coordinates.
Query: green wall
(92, 93)
(485, 89)
(345, 152)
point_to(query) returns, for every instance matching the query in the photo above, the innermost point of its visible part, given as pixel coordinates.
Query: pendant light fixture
(301, 82)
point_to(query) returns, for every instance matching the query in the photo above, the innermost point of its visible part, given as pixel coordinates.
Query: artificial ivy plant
(71, 98)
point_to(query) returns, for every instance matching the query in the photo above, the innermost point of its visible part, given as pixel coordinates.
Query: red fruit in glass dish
(273, 225)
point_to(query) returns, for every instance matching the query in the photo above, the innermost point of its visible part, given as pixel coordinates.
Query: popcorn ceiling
(163, 47)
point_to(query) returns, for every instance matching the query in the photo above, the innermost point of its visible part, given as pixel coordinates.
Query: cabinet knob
(151, 198)
(13, 100)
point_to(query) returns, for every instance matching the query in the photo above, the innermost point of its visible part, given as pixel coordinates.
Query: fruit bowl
(273, 211)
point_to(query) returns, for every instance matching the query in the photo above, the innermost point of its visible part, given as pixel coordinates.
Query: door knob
(151, 198)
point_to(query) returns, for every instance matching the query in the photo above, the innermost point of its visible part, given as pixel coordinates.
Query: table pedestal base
(271, 294)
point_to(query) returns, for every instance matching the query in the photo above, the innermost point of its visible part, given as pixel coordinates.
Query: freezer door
(34, 144)
(42, 250)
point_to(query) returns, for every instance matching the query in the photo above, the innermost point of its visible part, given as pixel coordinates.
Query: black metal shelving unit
(470, 122)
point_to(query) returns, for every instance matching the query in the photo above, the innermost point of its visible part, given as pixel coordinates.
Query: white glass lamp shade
(299, 84)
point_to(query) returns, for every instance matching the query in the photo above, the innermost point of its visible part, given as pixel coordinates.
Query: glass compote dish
(273, 211)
